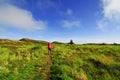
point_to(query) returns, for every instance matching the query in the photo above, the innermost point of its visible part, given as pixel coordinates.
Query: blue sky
(83, 21)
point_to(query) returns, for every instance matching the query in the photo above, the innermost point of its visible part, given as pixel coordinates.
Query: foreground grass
(21, 60)
(82, 62)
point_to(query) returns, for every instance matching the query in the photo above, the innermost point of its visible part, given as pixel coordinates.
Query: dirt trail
(48, 67)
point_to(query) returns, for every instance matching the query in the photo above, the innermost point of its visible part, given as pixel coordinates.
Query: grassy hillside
(28, 59)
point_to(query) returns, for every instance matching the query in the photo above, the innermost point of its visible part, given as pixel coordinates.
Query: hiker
(49, 48)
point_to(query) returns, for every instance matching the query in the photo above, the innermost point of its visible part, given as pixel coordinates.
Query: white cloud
(69, 12)
(1, 30)
(69, 24)
(71, 20)
(47, 4)
(82, 40)
(111, 14)
(13, 16)
(4, 1)
(101, 24)
(111, 9)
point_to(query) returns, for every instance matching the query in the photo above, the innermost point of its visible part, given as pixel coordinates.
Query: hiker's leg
(49, 51)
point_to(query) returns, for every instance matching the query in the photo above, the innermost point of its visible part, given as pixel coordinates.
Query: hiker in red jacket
(50, 48)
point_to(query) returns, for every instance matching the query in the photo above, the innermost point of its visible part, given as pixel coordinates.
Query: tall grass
(31, 61)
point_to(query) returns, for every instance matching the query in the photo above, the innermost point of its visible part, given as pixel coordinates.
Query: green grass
(23, 60)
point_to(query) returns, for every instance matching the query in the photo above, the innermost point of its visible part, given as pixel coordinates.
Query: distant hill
(28, 40)
(33, 41)
(22, 41)
(4, 39)
(101, 44)
(56, 42)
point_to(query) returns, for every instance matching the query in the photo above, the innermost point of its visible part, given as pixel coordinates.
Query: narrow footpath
(48, 67)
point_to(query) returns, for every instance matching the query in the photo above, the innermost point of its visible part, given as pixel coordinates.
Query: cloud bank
(111, 14)
(82, 40)
(13, 16)
(71, 20)
(70, 23)
(111, 9)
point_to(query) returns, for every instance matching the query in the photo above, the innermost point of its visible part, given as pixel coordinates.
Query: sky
(83, 21)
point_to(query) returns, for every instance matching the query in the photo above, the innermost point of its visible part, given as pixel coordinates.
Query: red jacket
(49, 45)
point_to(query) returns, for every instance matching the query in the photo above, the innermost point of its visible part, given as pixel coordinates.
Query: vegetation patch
(23, 60)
